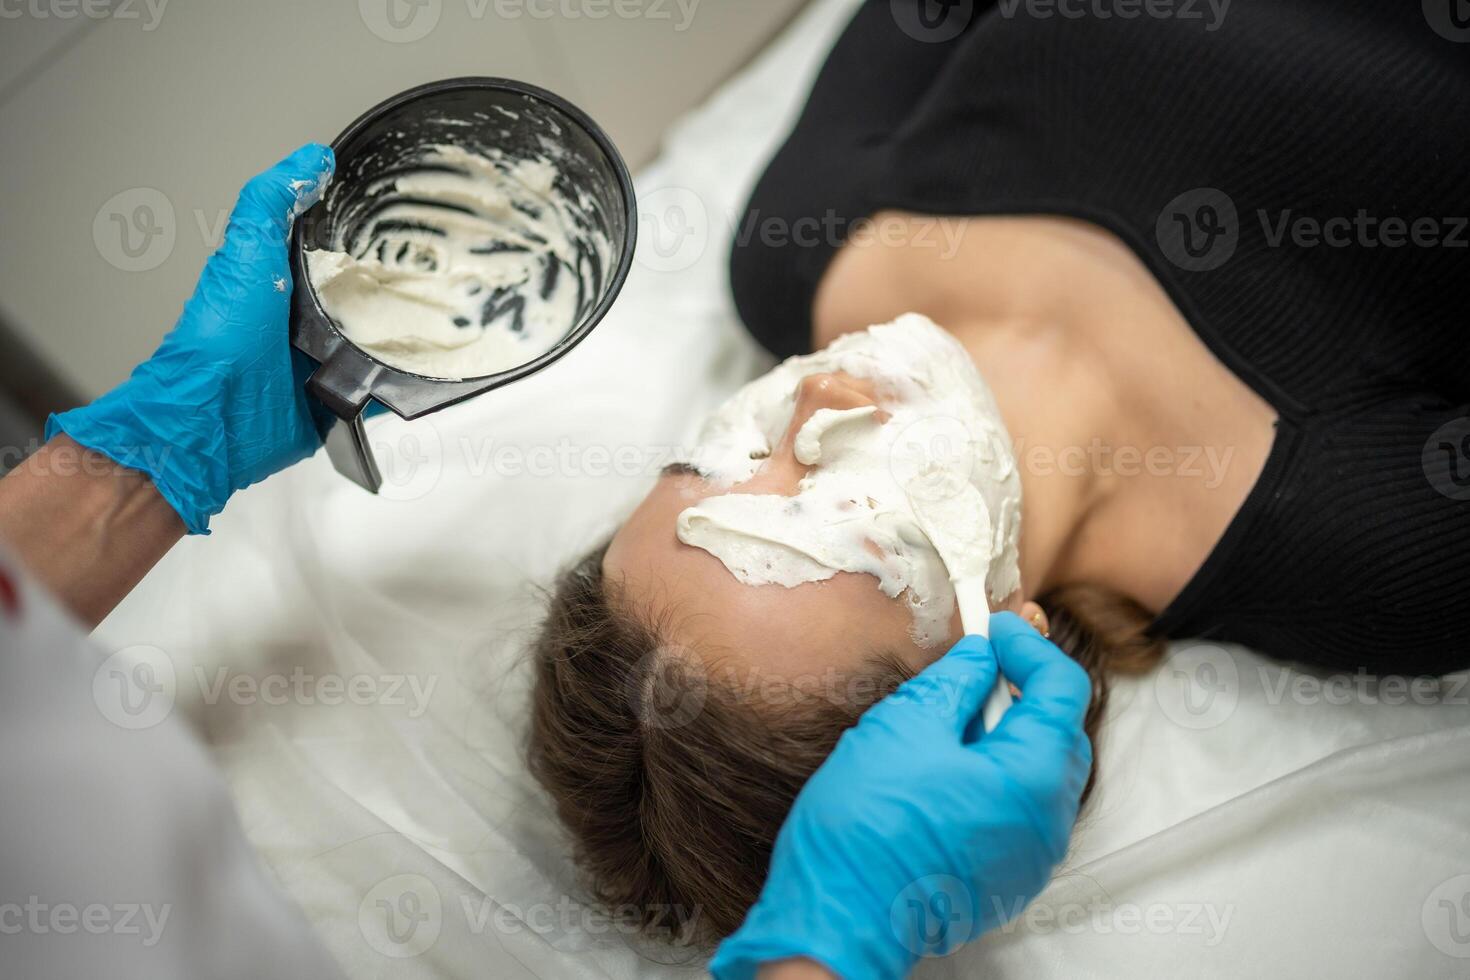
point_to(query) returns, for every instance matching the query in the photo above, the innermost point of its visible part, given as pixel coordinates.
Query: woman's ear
(1036, 616)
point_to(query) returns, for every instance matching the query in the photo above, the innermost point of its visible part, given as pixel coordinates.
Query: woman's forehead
(836, 623)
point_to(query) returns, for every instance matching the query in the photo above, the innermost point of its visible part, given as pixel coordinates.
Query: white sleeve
(121, 854)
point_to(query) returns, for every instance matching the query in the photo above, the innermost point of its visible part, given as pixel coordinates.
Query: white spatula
(957, 523)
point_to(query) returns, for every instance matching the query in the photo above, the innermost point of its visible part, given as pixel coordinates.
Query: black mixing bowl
(481, 115)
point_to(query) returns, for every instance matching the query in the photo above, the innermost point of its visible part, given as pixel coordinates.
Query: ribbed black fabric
(1353, 550)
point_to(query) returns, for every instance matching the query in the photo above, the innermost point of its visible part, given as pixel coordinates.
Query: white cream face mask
(852, 511)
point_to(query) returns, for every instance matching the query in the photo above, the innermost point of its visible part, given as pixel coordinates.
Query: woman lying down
(1170, 441)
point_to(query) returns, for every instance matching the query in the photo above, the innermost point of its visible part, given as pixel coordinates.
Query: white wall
(190, 97)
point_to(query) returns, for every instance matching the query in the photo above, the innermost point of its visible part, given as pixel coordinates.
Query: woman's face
(811, 628)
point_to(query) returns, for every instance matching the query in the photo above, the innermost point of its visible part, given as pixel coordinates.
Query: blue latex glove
(915, 836)
(221, 405)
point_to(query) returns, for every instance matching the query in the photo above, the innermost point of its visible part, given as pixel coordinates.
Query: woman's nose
(813, 392)
(835, 391)
(818, 391)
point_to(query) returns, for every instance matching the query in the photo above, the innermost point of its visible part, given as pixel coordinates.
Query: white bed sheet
(1246, 824)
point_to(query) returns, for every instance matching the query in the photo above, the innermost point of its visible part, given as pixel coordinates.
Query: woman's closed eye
(684, 469)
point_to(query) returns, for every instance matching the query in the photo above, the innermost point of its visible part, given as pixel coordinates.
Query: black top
(1353, 549)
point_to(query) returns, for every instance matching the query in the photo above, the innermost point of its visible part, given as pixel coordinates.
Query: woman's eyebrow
(681, 469)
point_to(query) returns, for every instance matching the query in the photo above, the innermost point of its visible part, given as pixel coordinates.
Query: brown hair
(673, 783)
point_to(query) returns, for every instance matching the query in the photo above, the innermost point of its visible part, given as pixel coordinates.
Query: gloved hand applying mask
(220, 405)
(919, 833)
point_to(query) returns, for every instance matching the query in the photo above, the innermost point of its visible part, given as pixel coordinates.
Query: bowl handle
(342, 386)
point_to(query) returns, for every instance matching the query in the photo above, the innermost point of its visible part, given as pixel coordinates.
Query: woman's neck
(1053, 312)
(1059, 411)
